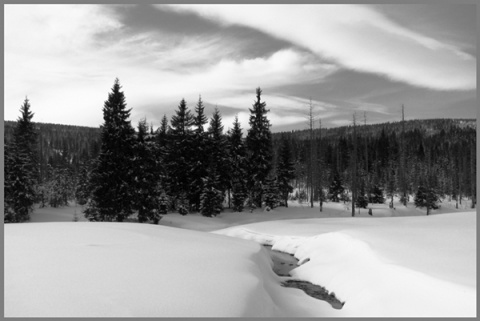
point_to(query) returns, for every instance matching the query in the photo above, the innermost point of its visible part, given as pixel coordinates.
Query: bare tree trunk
(311, 125)
(229, 199)
(354, 164)
(472, 174)
(402, 160)
(320, 170)
(366, 158)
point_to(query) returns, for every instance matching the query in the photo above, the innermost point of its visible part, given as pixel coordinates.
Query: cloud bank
(356, 37)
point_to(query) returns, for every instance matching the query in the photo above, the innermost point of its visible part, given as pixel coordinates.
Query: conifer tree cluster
(182, 166)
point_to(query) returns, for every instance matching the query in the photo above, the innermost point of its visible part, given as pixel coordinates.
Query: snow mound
(133, 270)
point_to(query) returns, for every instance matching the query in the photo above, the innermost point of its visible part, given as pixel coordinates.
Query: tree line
(190, 164)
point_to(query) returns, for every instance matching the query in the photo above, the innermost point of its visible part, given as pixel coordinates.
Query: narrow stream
(283, 263)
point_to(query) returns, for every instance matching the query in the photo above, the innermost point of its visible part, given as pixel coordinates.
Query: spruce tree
(218, 151)
(285, 171)
(361, 201)
(162, 138)
(271, 193)
(376, 195)
(211, 198)
(179, 156)
(112, 180)
(259, 146)
(426, 197)
(82, 191)
(162, 132)
(238, 180)
(25, 139)
(146, 175)
(21, 168)
(199, 157)
(336, 188)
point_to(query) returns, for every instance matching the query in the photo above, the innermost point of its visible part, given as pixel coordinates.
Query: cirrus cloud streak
(356, 37)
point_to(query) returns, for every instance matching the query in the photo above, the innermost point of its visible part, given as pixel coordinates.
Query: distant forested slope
(62, 143)
(440, 153)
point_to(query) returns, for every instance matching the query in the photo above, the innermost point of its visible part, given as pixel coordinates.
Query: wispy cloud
(356, 37)
(65, 58)
(73, 56)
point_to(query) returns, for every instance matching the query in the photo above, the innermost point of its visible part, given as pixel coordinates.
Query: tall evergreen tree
(112, 178)
(146, 175)
(200, 119)
(162, 151)
(259, 146)
(238, 180)
(179, 158)
(199, 157)
(285, 171)
(218, 151)
(162, 132)
(21, 168)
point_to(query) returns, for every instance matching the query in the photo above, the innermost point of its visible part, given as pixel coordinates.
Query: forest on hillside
(190, 163)
(391, 157)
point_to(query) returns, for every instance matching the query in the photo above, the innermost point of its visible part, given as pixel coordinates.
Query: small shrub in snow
(271, 192)
(376, 195)
(182, 210)
(163, 203)
(239, 195)
(361, 201)
(211, 202)
(426, 197)
(182, 204)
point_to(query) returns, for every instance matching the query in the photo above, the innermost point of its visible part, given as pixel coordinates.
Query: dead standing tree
(311, 124)
(354, 165)
(320, 170)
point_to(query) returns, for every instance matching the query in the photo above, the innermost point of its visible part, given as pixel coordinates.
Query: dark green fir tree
(199, 155)
(259, 148)
(238, 180)
(285, 171)
(21, 168)
(180, 156)
(112, 179)
(426, 197)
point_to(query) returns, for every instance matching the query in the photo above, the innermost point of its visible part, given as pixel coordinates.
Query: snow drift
(126, 269)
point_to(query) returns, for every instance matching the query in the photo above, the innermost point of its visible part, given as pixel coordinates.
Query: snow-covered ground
(394, 263)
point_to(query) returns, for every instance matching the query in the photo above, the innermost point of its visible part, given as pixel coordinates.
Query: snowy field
(395, 263)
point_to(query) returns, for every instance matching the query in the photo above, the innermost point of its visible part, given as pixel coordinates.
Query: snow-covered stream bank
(283, 263)
(403, 266)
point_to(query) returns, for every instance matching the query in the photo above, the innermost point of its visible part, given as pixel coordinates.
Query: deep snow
(389, 265)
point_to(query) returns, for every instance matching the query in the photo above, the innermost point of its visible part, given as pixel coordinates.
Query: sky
(344, 60)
